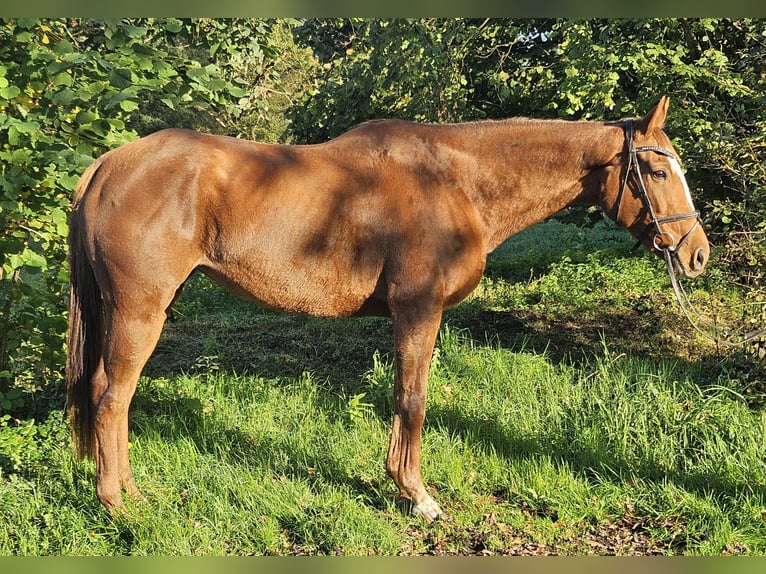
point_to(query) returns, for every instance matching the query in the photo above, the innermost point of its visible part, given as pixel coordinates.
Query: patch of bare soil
(627, 536)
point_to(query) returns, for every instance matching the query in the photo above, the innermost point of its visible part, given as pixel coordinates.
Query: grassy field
(572, 410)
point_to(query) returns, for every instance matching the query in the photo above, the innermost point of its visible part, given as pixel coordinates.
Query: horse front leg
(414, 339)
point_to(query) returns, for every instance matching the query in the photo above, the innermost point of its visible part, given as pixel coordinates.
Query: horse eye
(660, 174)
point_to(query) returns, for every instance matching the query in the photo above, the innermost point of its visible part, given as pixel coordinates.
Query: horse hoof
(115, 509)
(429, 510)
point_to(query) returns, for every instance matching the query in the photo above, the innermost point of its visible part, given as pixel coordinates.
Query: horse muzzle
(690, 262)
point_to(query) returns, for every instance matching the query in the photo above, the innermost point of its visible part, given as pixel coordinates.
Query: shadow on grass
(276, 345)
(273, 345)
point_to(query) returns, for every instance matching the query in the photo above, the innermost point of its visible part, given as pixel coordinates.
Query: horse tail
(85, 332)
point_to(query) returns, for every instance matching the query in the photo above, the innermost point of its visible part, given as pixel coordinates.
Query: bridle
(655, 223)
(721, 335)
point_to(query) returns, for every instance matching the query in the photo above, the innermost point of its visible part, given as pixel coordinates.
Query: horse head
(651, 197)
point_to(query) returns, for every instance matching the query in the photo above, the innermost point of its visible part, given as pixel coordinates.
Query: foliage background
(72, 88)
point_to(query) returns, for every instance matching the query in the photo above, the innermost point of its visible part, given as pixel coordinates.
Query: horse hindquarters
(120, 293)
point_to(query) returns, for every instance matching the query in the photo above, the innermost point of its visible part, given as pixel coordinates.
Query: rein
(720, 335)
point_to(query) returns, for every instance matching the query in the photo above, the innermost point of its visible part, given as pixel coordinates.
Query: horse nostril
(700, 258)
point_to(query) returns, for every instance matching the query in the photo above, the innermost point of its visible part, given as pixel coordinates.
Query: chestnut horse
(392, 218)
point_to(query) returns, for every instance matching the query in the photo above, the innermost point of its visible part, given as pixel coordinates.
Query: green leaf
(63, 47)
(59, 218)
(9, 92)
(85, 117)
(163, 69)
(21, 156)
(27, 127)
(173, 25)
(134, 31)
(128, 105)
(116, 124)
(120, 78)
(100, 127)
(57, 67)
(63, 97)
(216, 84)
(37, 261)
(63, 79)
(13, 135)
(196, 73)
(69, 182)
(96, 87)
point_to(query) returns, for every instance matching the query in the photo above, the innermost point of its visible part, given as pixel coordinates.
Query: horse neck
(526, 170)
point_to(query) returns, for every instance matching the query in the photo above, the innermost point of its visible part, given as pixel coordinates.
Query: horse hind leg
(132, 334)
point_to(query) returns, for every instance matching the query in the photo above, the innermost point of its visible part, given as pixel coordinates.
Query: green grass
(571, 411)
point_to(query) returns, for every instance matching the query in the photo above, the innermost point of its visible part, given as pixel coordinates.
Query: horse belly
(332, 284)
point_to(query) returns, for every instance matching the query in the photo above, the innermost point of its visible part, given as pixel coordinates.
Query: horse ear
(655, 119)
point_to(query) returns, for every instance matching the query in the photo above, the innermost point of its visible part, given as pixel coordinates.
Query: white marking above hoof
(428, 509)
